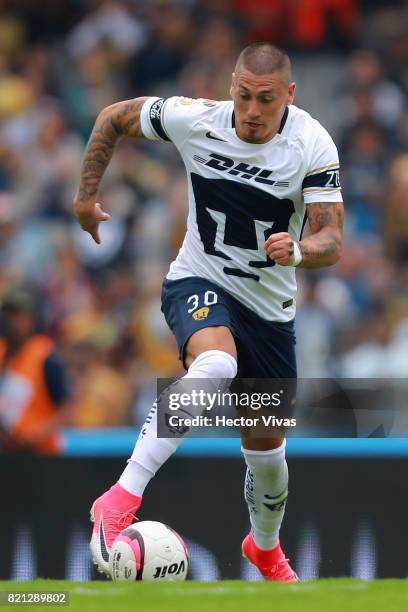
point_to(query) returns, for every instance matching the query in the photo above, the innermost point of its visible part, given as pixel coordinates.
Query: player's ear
(291, 93)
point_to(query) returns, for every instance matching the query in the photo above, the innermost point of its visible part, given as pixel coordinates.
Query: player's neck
(255, 140)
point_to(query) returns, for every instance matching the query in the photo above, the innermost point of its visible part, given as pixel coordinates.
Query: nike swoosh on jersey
(104, 550)
(211, 135)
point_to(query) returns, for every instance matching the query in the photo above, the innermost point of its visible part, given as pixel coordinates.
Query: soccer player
(257, 166)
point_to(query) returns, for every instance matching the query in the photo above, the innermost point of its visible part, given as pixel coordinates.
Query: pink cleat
(111, 513)
(272, 564)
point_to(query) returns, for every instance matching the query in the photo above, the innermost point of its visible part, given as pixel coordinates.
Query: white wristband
(297, 253)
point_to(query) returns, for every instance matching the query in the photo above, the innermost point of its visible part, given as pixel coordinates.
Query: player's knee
(210, 338)
(214, 364)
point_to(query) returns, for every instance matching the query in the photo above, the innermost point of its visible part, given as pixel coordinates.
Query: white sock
(151, 452)
(266, 490)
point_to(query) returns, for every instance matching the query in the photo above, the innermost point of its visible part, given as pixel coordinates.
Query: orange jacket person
(34, 396)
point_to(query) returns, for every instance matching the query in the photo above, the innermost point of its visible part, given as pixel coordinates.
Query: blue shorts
(265, 349)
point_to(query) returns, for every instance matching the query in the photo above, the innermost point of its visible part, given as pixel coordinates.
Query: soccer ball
(148, 550)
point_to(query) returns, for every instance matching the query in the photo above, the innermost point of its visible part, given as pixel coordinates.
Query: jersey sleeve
(170, 119)
(322, 181)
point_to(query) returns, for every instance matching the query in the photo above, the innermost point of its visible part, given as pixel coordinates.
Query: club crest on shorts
(201, 313)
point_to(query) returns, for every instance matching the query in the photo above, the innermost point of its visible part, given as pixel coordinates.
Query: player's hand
(279, 247)
(89, 216)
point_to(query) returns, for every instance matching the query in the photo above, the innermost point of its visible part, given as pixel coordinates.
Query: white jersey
(240, 193)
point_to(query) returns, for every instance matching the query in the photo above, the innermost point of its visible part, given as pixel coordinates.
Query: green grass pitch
(333, 595)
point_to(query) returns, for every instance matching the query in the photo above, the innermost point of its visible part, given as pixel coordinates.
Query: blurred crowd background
(62, 62)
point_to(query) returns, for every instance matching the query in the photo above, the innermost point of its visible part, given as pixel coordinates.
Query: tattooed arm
(321, 248)
(121, 119)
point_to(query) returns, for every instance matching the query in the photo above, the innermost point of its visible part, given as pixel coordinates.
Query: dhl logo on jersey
(201, 313)
(245, 171)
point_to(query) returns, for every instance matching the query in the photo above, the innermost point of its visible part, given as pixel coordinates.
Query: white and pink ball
(148, 550)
